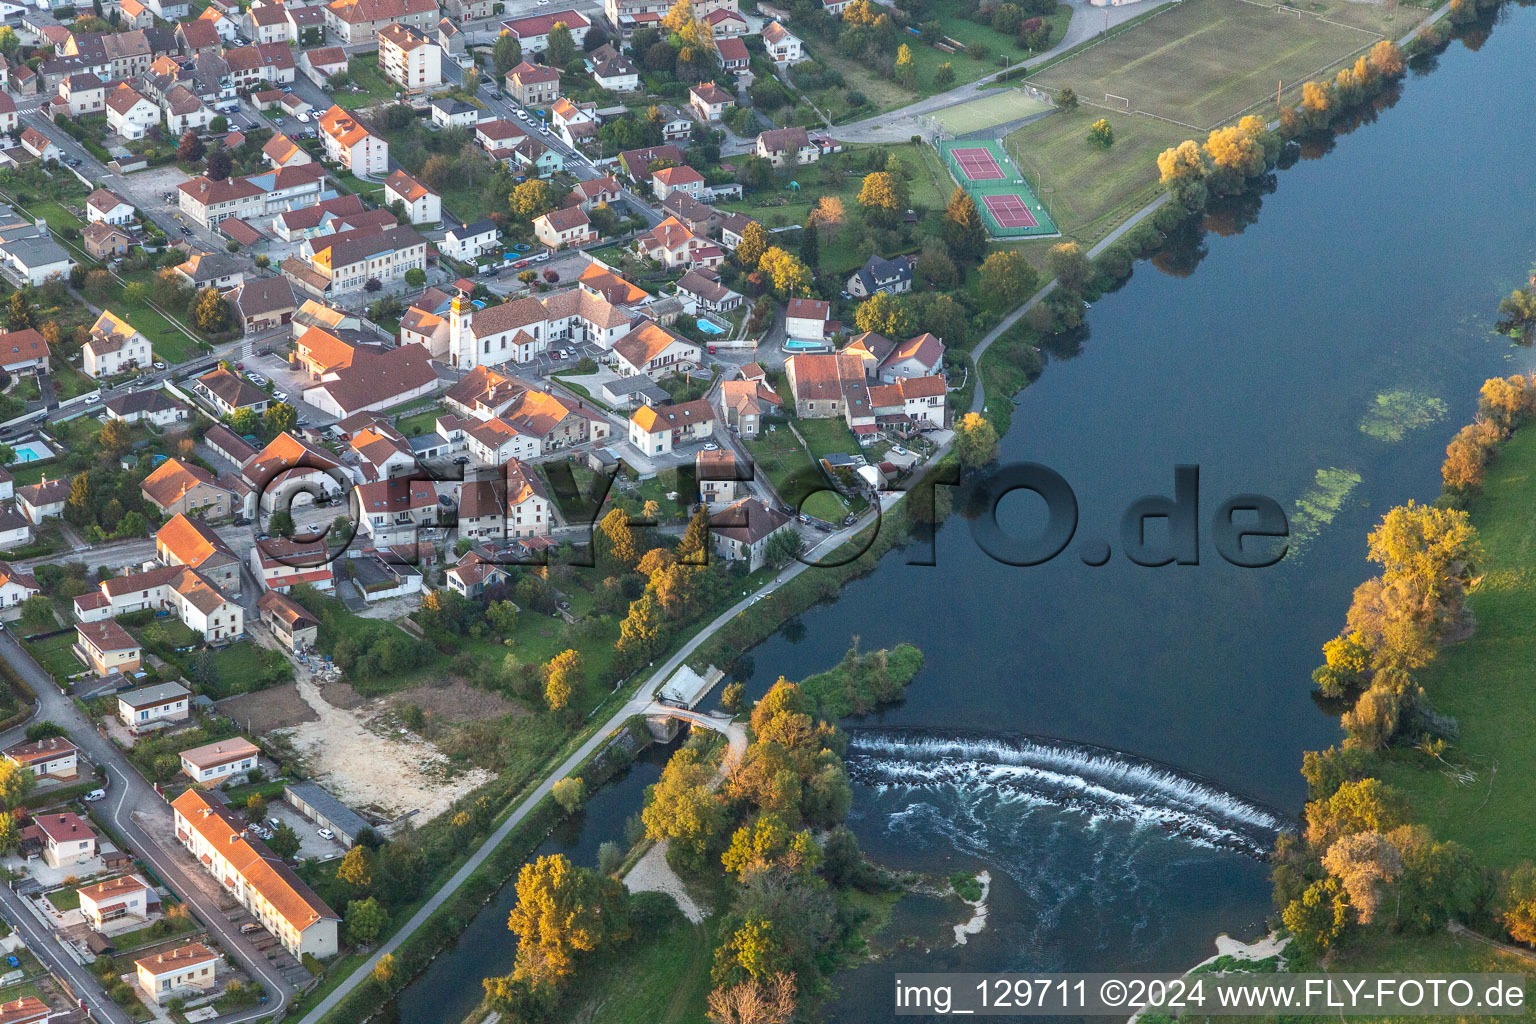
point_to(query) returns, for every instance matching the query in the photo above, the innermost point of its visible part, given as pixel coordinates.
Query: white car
(95, 794)
(522, 114)
(281, 396)
(541, 257)
(325, 833)
(710, 446)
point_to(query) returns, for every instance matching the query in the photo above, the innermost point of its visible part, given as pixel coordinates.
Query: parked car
(95, 794)
(325, 833)
(541, 257)
(274, 822)
(159, 365)
(248, 927)
(710, 446)
(281, 396)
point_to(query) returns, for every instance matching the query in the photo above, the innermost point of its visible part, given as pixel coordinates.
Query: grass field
(1204, 62)
(1485, 682)
(995, 108)
(1091, 189)
(794, 474)
(55, 656)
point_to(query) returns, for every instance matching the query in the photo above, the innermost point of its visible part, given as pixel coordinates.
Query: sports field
(1201, 63)
(984, 169)
(999, 107)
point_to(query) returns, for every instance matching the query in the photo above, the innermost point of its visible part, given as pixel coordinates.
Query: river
(1343, 331)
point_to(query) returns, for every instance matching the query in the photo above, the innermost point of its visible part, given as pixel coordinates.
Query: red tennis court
(977, 164)
(1010, 211)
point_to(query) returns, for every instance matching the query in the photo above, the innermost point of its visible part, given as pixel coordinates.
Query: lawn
(1204, 62)
(884, 94)
(993, 108)
(795, 475)
(422, 422)
(1485, 684)
(827, 437)
(364, 69)
(64, 899)
(55, 656)
(660, 979)
(1088, 190)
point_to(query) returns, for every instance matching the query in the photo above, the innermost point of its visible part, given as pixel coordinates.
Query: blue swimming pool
(32, 451)
(803, 345)
(710, 327)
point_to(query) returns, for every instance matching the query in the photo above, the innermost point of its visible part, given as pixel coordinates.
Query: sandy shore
(978, 919)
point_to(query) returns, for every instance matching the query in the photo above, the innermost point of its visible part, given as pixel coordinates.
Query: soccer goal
(1124, 102)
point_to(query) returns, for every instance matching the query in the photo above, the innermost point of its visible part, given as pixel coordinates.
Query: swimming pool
(710, 327)
(32, 451)
(803, 344)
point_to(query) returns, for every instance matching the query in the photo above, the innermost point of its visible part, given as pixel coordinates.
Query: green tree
(243, 421)
(784, 547)
(506, 54)
(1007, 279)
(284, 841)
(1101, 133)
(684, 809)
(1066, 99)
(883, 198)
(964, 232)
(115, 438)
(561, 48)
(934, 266)
(9, 43)
(365, 920)
(415, 277)
(570, 793)
(732, 696)
(10, 829)
(975, 440)
(37, 617)
(210, 313)
(884, 314)
(7, 454)
(280, 418)
(1517, 315)
(944, 77)
(1318, 916)
(280, 523)
(561, 911)
(1067, 263)
(502, 615)
(810, 246)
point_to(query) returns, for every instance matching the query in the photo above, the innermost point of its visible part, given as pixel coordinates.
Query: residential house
(281, 151)
(784, 47)
(495, 441)
(878, 274)
(257, 878)
(561, 228)
(210, 270)
(720, 478)
(468, 241)
(346, 262)
(709, 102)
(129, 113)
(43, 499)
(206, 35)
(657, 430)
(54, 757)
(472, 574)
(215, 764)
(36, 257)
(744, 403)
(734, 57)
(616, 74)
(637, 162)
(65, 838)
(114, 347)
(808, 319)
(330, 217)
(184, 111)
(134, 15)
(296, 185)
(468, 10)
(280, 564)
(684, 180)
(909, 403)
(589, 195)
(827, 385)
(288, 620)
(703, 290)
(742, 530)
(24, 350)
(533, 33)
(725, 24)
(176, 486)
(409, 59)
(27, 1009)
(105, 648)
(152, 405)
(194, 544)
(188, 972)
(83, 93)
(323, 62)
(358, 21)
(447, 113)
(105, 241)
(533, 85)
(263, 303)
(422, 205)
(104, 207)
(39, 145)
(394, 511)
(888, 361)
(267, 23)
(226, 392)
(127, 896)
(261, 62)
(306, 25)
(15, 531)
(673, 245)
(652, 350)
(374, 380)
(786, 147)
(348, 143)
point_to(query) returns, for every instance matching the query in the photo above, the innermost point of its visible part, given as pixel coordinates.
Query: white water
(1100, 784)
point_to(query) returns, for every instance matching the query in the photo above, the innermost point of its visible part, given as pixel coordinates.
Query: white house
(215, 764)
(114, 347)
(129, 114)
(104, 207)
(421, 204)
(471, 240)
(657, 430)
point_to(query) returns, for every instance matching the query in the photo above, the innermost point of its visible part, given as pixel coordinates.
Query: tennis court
(1010, 210)
(1003, 198)
(977, 164)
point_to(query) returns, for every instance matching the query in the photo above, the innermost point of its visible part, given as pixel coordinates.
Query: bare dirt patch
(280, 707)
(391, 773)
(456, 701)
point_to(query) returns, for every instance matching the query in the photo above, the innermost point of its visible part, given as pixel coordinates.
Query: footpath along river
(1115, 744)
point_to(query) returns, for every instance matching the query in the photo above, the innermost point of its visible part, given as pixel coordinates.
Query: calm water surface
(1113, 743)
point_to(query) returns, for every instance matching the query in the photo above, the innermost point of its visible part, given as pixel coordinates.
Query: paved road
(45, 945)
(128, 794)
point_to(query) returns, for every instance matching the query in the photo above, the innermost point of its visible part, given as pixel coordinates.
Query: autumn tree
(280, 418)
(640, 633)
(883, 198)
(616, 541)
(771, 1001)
(1366, 805)
(190, 149)
(1363, 863)
(10, 833)
(964, 232)
(684, 810)
(829, 215)
(210, 313)
(115, 437)
(1346, 664)
(570, 793)
(19, 312)
(906, 67)
(975, 440)
(356, 868)
(561, 678)
(884, 314)
(1318, 916)
(1507, 401)
(769, 843)
(1007, 279)
(1182, 170)
(786, 273)
(1517, 903)
(15, 784)
(561, 911)
(754, 242)
(1101, 133)
(532, 198)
